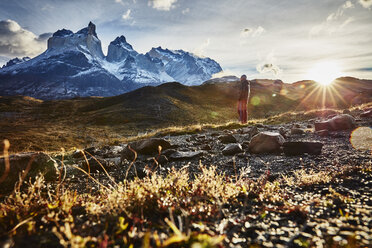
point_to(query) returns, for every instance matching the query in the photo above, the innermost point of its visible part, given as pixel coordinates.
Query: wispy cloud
(331, 24)
(366, 3)
(185, 11)
(164, 5)
(268, 65)
(252, 32)
(17, 41)
(200, 51)
(126, 15)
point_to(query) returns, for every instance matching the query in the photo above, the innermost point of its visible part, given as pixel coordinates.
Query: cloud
(252, 32)
(333, 20)
(126, 16)
(268, 65)
(346, 22)
(17, 41)
(185, 11)
(164, 5)
(200, 51)
(366, 3)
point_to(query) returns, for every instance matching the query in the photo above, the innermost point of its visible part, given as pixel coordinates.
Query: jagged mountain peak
(62, 33)
(119, 50)
(16, 61)
(90, 30)
(85, 40)
(74, 65)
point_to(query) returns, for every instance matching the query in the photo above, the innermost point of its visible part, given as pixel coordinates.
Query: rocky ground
(321, 195)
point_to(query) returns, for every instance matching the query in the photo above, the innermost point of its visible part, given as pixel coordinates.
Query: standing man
(243, 99)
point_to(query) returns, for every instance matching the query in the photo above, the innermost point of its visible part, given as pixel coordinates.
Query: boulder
(266, 142)
(297, 131)
(227, 138)
(337, 123)
(184, 155)
(232, 149)
(41, 163)
(299, 148)
(150, 146)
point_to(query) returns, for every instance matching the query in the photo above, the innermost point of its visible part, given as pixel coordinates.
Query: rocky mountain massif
(75, 66)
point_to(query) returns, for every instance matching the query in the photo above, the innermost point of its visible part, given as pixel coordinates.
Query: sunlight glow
(325, 72)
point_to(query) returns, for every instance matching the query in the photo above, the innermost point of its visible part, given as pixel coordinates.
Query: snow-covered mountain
(74, 65)
(16, 61)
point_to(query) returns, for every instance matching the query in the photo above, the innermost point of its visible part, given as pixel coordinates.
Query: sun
(325, 72)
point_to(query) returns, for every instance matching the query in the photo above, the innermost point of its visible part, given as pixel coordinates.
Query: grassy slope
(31, 124)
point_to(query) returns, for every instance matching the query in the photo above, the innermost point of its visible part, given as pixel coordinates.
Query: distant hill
(25, 119)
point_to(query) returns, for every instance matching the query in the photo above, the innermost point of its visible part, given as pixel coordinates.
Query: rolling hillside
(32, 124)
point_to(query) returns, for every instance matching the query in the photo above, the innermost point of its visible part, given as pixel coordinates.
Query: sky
(274, 39)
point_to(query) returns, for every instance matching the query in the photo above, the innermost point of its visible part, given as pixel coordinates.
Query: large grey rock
(337, 123)
(299, 148)
(266, 142)
(41, 163)
(232, 149)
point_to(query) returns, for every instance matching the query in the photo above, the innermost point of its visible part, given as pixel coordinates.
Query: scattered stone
(309, 126)
(169, 152)
(206, 147)
(283, 132)
(184, 155)
(40, 163)
(162, 159)
(94, 164)
(297, 131)
(232, 149)
(346, 111)
(149, 146)
(337, 123)
(297, 125)
(91, 150)
(300, 147)
(266, 142)
(228, 138)
(366, 114)
(127, 153)
(253, 132)
(322, 133)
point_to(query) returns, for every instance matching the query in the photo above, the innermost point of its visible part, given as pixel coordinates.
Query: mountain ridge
(74, 66)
